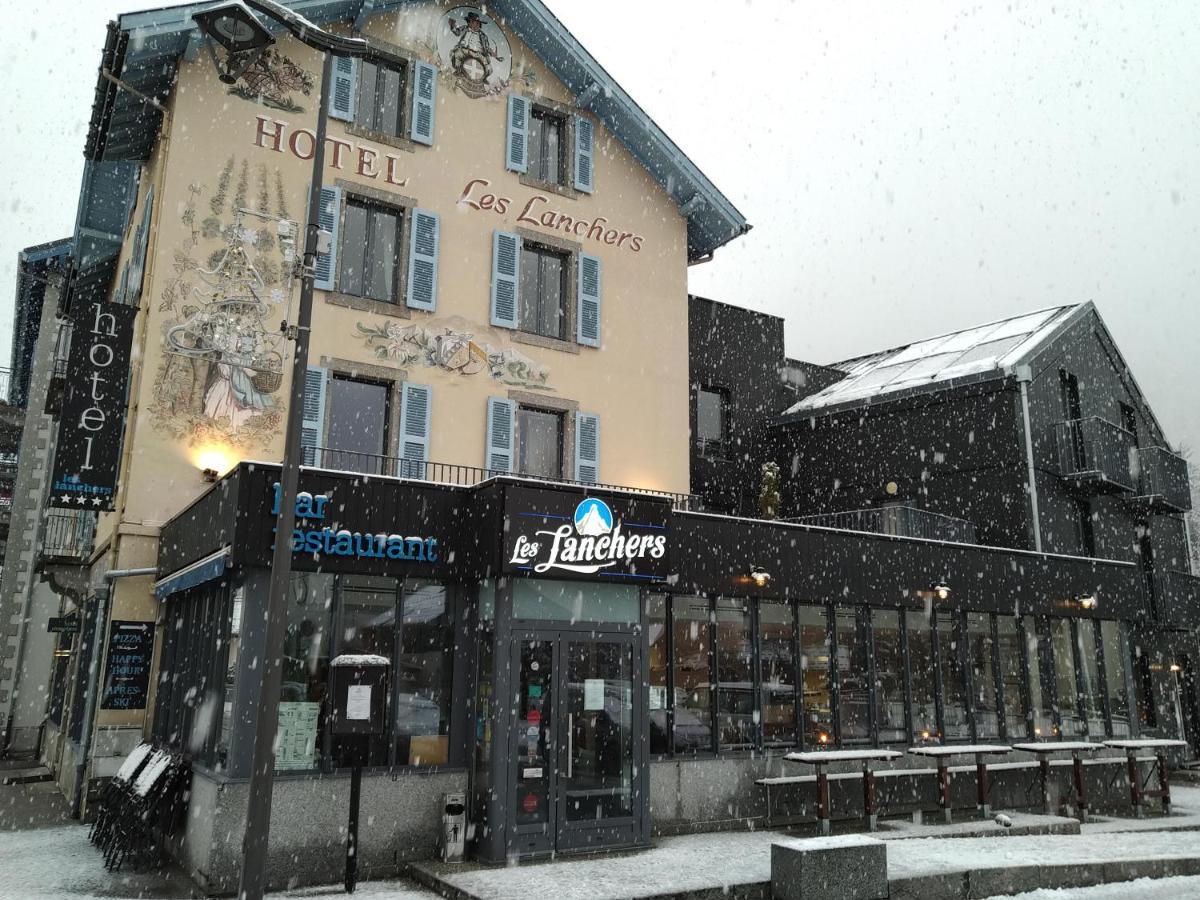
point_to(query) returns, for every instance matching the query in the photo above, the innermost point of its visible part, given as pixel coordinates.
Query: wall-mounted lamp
(940, 591)
(1176, 667)
(1087, 602)
(760, 576)
(210, 475)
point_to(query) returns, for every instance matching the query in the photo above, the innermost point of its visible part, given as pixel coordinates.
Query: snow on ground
(1142, 889)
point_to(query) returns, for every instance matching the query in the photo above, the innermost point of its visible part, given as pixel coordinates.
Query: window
(956, 725)
(1085, 531)
(424, 675)
(1147, 711)
(854, 675)
(735, 674)
(920, 667)
(380, 105)
(816, 701)
(692, 673)
(1116, 676)
(711, 417)
(1089, 677)
(366, 624)
(889, 676)
(659, 660)
(777, 665)
(370, 250)
(1012, 680)
(1070, 722)
(981, 656)
(543, 292)
(1041, 674)
(539, 442)
(547, 144)
(358, 425)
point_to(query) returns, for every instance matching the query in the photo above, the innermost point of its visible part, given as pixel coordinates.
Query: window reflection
(954, 691)
(777, 633)
(735, 674)
(1071, 723)
(424, 675)
(1117, 676)
(1012, 678)
(1089, 677)
(1037, 652)
(692, 671)
(980, 652)
(920, 666)
(854, 670)
(656, 672)
(814, 667)
(889, 676)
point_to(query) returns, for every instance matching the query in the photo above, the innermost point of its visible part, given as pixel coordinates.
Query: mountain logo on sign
(593, 518)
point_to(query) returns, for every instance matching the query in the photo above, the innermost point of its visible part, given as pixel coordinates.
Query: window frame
(567, 296)
(390, 416)
(713, 447)
(566, 114)
(375, 207)
(519, 441)
(403, 68)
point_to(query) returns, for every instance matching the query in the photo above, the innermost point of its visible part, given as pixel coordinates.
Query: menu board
(127, 669)
(296, 736)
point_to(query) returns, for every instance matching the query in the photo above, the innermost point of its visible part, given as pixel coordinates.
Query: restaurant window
(854, 676)
(305, 674)
(1087, 654)
(380, 105)
(981, 653)
(692, 670)
(539, 442)
(357, 433)
(543, 292)
(232, 654)
(1147, 711)
(424, 675)
(777, 666)
(1117, 676)
(921, 674)
(735, 674)
(889, 676)
(1071, 724)
(1012, 678)
(816, 702)
(711, 418)
(370, 250)
(1041, 685)
(656, 673)
(547, 146)
(956, 724)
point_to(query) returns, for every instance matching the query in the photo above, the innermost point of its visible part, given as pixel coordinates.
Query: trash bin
(454, 827)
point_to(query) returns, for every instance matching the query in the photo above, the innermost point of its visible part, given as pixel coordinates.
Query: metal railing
(1095, 450)
(1163, 474)
(69, 535)
(900, 520)
(452, 473)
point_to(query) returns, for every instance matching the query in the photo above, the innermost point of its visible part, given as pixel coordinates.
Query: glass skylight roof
(985, 348)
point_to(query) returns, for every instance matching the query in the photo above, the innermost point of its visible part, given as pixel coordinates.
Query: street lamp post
(234, 27)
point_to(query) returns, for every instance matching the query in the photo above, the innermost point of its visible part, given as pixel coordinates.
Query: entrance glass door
(576, 742)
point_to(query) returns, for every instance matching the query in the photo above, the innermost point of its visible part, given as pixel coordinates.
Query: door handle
(570, 743)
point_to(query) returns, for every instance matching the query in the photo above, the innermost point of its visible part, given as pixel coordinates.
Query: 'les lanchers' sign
(88, 455)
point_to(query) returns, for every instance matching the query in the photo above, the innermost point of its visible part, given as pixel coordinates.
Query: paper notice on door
(593, 694)
(358, 702)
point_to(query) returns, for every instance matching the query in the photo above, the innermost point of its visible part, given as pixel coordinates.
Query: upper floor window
(547, 139)
(539, 442)
(380, 102)
(711, 417)
(357, 432)
(370, 251)
(543, 306)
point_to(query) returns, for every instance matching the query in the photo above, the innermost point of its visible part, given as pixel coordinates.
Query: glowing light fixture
(760, 576)
(1088, 602)
(940, 591)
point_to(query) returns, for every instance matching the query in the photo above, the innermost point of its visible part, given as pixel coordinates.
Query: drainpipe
(89, 706)
(1024, 376)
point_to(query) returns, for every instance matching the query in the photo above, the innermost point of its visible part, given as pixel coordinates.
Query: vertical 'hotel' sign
(88, 455)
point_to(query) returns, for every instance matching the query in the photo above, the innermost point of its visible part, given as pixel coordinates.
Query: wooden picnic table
(1137, 791)
(819, 759)
(942, 754)
(1044, 750)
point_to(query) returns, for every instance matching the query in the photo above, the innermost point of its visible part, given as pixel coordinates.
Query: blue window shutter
(589, 300)
(122, 285)
(137, 273)
(312, 424)
(584, 154)
(423, 260)
(424, 100)
(329, 218)
(516, 158)
(587, 448)
(501, 435)
(506, 278)
(414, 430)
(344, 94)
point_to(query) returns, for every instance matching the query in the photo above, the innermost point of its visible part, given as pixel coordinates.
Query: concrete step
(34, 775)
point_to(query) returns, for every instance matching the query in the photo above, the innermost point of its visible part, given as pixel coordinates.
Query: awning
(212, 566)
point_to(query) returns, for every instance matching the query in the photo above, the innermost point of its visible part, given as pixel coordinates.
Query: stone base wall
(399, 821)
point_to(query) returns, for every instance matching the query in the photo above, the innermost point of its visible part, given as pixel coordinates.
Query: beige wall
(636, 381)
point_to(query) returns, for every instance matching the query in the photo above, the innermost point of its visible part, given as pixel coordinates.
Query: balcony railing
(1095, 453)
(450, 473)
(902, 521)
(1162, 480)
(1177, 597)
(68, 536)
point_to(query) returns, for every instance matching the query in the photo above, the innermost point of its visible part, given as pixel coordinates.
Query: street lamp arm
(308, 32)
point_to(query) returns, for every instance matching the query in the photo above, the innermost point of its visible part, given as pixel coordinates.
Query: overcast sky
(909, 168)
